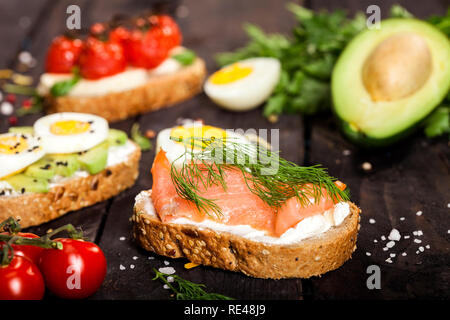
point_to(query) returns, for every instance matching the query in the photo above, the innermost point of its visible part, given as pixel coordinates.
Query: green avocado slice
(379, 122)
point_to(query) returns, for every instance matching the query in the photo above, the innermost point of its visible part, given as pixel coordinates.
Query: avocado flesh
(23, 183)
(43, 168)
(385, 121)
(94, 160)
(116, 137)
(26, 130)
(65, 164)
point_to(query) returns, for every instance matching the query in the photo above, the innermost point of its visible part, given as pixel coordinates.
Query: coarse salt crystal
(167, 270)
(402, 218)
(372, 221)
(390, 244)
(389, 260)
(421, 249)
(132, 266)
(346, 152)
(367, 166)
(375, 240)
(427, 246)
(419, 233)
(383, 238)
(166, 286)
(122, 267)
(166, 262)
(135, 258)
(417, 241)
(419, 213)
(392, 255)
(170, 279)
(404, 254)
(385, 249)
(406, 237)
(122, 238)
(151, 258)
(394, 235)
(368, 254)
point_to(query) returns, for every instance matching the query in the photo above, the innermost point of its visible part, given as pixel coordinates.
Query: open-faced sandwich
(122, 70)
(220, 200)
(65, 162)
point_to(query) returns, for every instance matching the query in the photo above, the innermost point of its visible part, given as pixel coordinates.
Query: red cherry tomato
(169, 29)
(63, 55)
(21, 280)
(120, 35)
(75, 272)
(32, 253)
(101, 58)
(149, 48)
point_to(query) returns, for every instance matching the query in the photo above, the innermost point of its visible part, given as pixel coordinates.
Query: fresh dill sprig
(187, 290)
(272, 178)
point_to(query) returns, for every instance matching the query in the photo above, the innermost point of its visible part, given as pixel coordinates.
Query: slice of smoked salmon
(238, 205)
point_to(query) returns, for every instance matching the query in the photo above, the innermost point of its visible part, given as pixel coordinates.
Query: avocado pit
(399, 66)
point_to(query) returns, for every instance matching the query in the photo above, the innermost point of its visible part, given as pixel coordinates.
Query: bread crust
(73, 194)
(309, 257)
(160, 91)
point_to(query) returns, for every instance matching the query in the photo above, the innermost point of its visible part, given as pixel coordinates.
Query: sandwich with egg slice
(121, 70)
(221, 200)
(64, 162)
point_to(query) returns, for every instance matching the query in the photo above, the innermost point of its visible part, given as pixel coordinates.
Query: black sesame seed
(22, 190)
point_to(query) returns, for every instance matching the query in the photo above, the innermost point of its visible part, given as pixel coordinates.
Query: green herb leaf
(143, 142)
(62, 88)
(187, 290)
(186, 57)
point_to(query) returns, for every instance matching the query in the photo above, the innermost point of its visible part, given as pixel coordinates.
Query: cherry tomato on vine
(30, 252)
(63, 54)
(74, 272)
(21, 280)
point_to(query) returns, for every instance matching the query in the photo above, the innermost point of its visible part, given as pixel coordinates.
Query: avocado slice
(64, 164)
(94, 160)
(23, 183)
(116, 137)
(26, 130)
(388, 80)
(43, 168)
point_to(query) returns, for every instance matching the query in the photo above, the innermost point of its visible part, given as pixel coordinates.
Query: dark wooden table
(410, 177)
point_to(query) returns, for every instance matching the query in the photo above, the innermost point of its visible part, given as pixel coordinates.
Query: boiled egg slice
(70, 132)
(18, 151)
(244, 85)
(171, 140)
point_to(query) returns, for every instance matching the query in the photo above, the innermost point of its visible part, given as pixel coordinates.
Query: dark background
(404, 179)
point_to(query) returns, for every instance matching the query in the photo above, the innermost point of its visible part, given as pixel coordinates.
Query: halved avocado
(389, 79)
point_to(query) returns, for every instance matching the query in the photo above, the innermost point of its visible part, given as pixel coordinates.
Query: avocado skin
(362, 140)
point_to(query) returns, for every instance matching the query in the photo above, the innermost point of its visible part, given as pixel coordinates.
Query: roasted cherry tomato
(169, 29)
(63, 55)
(149, 44)
(74, 272)
(21, 280)
(101, 58)
(120, 35)
(32, 253)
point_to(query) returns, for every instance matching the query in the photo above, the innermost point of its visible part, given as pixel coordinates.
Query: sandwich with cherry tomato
(120, 71)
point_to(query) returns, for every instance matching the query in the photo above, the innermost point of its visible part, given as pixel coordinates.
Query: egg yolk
(69, 127)
(231, 74)
(13, 144)
(204, 132)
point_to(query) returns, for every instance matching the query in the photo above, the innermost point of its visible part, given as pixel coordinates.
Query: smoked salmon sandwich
(220, 199)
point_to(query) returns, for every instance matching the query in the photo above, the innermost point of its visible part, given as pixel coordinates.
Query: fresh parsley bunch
(307, 58)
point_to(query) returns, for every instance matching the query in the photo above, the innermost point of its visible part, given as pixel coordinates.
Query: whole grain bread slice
(306, 258)
(36, 208)
(160, 91)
